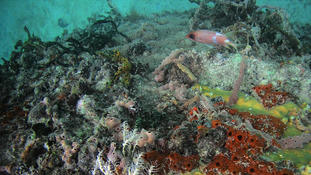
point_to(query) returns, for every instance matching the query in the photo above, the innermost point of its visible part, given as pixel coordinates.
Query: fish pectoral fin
(230, 45)
(231, 34)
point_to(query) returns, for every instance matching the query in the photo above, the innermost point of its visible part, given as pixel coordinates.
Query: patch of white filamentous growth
(104, 166)
(138, 166)
(129, 138)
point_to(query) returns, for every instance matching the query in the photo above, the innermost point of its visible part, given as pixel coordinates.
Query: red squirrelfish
(210, 37)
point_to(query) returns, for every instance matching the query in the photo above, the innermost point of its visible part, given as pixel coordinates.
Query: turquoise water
(42, 16)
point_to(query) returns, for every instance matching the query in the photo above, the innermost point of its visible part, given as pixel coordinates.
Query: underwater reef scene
(223, 88)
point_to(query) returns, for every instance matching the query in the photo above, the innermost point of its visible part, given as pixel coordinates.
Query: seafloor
(132, 95)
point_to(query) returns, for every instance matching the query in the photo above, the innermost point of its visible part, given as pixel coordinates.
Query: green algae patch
(299, 157)
(194, 172)
(291, 130)
(212, 92)
(250, 104)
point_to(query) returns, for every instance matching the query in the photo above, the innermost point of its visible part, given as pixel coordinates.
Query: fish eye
(191, 35)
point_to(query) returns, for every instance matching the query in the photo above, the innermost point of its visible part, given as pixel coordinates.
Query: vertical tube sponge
(234, 96)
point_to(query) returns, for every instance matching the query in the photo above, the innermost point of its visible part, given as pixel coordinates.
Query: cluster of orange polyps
(269, 97)
(221, 164)
(172, 161)
(181, 163)
(243, 149)
(193, 114)
(240, 141)
(265, 123)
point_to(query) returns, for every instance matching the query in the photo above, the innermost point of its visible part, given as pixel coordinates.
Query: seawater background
(42, 16)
